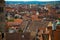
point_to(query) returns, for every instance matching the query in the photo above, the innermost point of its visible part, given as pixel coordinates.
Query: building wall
(2, 19)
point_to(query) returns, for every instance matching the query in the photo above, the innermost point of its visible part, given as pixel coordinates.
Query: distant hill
(32, 2)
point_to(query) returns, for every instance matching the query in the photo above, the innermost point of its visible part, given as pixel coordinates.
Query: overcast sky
(31, 0)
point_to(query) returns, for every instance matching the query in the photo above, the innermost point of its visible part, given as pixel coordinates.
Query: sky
(31, 0)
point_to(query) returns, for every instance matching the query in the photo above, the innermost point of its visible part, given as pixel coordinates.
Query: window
(58, 12)
(45, 37)
(1, 9)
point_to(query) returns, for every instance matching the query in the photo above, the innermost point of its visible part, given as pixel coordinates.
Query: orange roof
(16, 21)
(34, 17)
